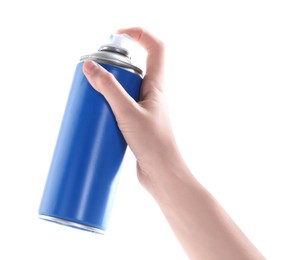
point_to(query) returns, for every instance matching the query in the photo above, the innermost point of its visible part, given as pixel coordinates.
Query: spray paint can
(84, 171)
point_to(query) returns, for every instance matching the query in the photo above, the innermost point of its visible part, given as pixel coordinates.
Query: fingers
(155, 50)
(104, 82)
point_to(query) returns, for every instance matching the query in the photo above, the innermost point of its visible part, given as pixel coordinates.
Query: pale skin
(200, 224)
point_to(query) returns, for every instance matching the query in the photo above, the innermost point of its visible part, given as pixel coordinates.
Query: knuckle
(106, 79)
(140, 33)
(159, 47)
(161, 44)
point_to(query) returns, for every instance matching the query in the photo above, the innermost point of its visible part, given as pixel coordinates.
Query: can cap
(115, 52)
(119, 43)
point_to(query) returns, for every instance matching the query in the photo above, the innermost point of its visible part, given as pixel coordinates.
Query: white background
(228, 86)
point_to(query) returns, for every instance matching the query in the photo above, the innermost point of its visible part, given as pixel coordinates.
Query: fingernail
(119, 31)
(89, 66)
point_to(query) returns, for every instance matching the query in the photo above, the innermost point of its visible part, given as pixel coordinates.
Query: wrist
(161, 170)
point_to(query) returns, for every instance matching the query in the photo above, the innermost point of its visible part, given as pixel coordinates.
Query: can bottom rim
(72, 224)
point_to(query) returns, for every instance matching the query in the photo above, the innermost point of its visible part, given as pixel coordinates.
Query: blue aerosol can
(84, 171)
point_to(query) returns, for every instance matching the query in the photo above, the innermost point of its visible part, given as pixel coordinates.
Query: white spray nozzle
(122, 41)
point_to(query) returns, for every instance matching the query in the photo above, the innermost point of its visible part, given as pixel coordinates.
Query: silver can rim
(115, 62)
(72, 224)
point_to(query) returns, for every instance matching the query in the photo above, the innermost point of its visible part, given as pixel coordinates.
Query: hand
(145, 125)
(199, 222)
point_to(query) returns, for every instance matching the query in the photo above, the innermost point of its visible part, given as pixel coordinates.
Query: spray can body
(84, 171)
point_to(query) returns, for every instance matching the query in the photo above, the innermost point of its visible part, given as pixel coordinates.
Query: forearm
(201, 225)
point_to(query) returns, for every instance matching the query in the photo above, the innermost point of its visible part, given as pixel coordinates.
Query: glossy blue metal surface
(85, 167)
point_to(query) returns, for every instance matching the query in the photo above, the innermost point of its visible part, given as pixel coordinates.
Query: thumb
(121, 103)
